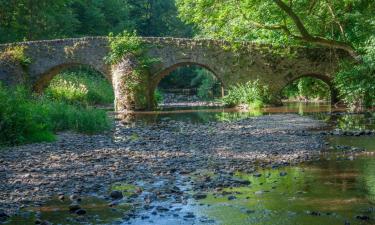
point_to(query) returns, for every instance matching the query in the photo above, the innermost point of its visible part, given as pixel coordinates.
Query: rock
(283, 173)
(116, 195)
(231, 197)
(250, 211)
(315, 213)
(74, 207)
(257, 174)
(189, 215)
(363, 217)
(3, 216)
(80, 212)
(162, 209)
(74, 197)
(199, 196)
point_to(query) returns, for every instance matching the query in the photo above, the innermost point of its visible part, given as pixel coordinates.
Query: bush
(80, 87)
(21, 121)
(252, 94)
(307, 88)
(158, 96)
(356, 83)
(27, 119)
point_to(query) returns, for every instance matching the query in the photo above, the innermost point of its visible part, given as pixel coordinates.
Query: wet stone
(116, 195)
(189, 215)
(80, 212)
(74, 207)
(363, 217)
(257, 174)
(199, 196)
(283, 173)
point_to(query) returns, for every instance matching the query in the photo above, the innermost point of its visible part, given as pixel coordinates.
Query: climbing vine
(136, 84)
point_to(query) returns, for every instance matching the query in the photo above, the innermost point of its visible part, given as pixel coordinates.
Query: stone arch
(325, 78)
(44, 79)
(158, 76)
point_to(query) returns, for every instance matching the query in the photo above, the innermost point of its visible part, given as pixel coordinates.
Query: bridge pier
(130, 85)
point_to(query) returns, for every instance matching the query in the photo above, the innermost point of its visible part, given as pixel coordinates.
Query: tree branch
(307, 37)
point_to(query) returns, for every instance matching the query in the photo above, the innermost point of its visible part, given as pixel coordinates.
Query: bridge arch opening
(44, 79)
(76, 84)
(309, 88)
(187, 84)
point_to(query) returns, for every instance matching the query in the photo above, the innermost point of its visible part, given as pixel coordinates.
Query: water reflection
(323, 192)
(336, 117)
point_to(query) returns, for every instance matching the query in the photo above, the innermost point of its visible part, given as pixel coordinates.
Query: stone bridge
(275, 67)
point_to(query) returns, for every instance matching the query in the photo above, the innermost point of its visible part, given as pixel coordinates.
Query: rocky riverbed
(160, 160)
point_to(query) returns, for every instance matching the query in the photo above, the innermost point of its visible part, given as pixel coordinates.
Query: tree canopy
(343, 24)
(43, 19)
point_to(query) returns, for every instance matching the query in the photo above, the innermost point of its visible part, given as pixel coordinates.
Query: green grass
(80, 87)
(25, 118)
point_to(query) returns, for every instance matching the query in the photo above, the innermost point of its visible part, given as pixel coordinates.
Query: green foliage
(17, 53)
(130, 44)
(25, 118)
(63, 116)
(349, 21)
(158, 96)
(253, 94)
(80, 86)
(356, 83)
(307, 88)
(209, 86)
(45, 19)
(123, 44)
(21, 120)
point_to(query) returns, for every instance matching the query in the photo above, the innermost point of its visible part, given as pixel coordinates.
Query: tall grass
(80, 86)
(25, 118)
(252, 94)
(21, 119)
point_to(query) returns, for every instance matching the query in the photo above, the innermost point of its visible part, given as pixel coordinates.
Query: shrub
(158, 96)
(356, 83)
(308, 88)
(80, 87)
(252, 94)
(76, 118)
(17, 53)
(21, 120)
(27, 119)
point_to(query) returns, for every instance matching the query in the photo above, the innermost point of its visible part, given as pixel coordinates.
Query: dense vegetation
(80, 86)
(27, 118)
(307, 89)
(44, 19)
(197, 78)
(253, 94)
(347, 25)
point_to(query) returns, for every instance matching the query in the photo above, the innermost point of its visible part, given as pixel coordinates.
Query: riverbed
(297, 164)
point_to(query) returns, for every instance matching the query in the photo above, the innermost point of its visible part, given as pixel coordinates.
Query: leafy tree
(337, 24)
(43, 19)
(347, 25)
(30, 20)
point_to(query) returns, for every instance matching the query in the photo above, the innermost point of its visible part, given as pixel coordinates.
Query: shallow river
(334, 190)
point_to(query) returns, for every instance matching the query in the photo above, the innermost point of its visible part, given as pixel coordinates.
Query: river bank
(80, 164)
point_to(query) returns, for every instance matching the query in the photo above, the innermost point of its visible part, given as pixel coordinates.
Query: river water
(337, 189)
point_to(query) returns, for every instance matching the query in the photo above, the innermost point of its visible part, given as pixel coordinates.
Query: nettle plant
(122, 45)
